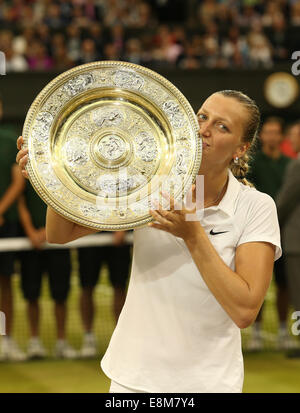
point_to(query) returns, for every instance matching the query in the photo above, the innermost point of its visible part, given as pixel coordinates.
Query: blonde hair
(251, 129)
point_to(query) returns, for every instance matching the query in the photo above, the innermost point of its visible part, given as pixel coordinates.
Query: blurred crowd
(50, 35)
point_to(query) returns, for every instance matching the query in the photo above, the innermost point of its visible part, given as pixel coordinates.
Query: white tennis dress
(172, 335)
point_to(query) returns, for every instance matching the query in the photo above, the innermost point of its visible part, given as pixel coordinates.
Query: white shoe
(10, 350)
(35, 349)
(89, 347)
(285, 341)
(64, 351)
(256, 343)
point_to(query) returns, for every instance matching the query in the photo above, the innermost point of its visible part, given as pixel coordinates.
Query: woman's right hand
(22, 156)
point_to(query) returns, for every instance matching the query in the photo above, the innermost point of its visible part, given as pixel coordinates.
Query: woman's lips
(204, 145)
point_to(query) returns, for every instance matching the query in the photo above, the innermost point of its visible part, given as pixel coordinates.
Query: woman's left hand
(175, 220)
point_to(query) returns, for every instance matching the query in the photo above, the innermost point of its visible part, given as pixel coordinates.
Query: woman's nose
(204, 129)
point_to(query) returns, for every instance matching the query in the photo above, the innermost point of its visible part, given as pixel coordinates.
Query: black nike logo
(216, 233)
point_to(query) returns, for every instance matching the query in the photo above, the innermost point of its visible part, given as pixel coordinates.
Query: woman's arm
(240, 292)
(59, 230)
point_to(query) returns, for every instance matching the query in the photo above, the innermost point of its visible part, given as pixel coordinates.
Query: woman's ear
(243, 149)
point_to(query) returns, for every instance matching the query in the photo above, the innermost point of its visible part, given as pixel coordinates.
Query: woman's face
(222, 121)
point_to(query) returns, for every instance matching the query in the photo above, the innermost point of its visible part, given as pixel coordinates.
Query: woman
(195, 284)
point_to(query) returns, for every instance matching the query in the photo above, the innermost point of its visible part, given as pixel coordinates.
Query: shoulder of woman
(252, 199)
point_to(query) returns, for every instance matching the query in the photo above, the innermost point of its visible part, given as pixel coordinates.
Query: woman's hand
(22, 156)
(175, 220)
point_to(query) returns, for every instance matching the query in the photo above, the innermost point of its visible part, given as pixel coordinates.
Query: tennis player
(195, 284)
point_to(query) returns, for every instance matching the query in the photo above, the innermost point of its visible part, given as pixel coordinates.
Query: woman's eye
(201, 116)
(223, 127)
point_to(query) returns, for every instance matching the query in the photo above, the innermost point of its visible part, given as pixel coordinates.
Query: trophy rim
(81, 69)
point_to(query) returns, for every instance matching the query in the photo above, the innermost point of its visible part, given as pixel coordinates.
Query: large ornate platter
(104, 138)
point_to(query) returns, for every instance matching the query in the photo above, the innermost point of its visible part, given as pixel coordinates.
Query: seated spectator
(141, 16)
(133, 51)
(38, 58)
(288, 206)
(271, 11)
(53, 17)
(295, 14)
(247, 17)
(117, 38)
(88, 52)
(278, 38)
(27, 17)
(22, 41)
(73, 42)
(61, 60)
(95, 33)
(15, 62)
(43, 34)
(207, 11)
(260, 51)
(92, 10)
(11, 186)
(189, 59)
(79, 18)
(234, 48)
(110, 52)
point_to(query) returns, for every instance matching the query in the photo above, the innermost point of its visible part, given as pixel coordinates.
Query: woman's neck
(215, 185)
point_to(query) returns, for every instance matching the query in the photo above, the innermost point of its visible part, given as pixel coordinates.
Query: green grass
(268, 371)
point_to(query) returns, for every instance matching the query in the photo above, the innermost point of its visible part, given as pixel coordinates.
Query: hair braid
(251, 128)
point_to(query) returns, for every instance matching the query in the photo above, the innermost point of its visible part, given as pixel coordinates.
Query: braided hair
(251, 129)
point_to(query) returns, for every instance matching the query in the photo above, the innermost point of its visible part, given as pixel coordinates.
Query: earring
(236, 160)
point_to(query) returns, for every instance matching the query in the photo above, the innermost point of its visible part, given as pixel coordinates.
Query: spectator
(23, 41)
(189, 59)
(260, 52)
(267, 171)
(92, 10)
(288, 205)
(38, 58)
(126, 19)
(117, 38)
(278, 38)
(43, 35)
(295, 14)
(53, 17)
(56, 263)
(95, 33)
(61, 61)
(207, 11)
(286, 145)
(247, 17)
(88, 52)
(27, 17)
(133, 51)
(110, 52)
(11, 185)
(73, 42)
(211, 43)
(235, 48)
(270, 13)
